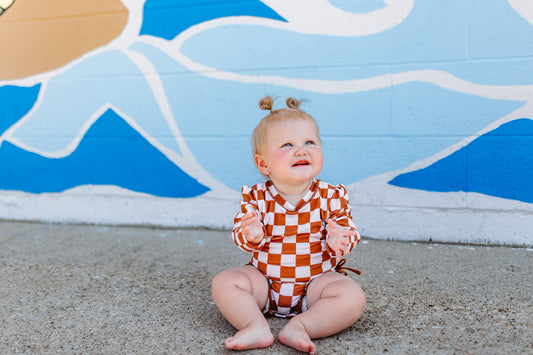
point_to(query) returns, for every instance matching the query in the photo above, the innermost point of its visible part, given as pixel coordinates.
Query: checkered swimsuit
(295, 249)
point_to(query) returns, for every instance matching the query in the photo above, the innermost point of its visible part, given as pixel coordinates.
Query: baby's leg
(240, 294)
(334, 303)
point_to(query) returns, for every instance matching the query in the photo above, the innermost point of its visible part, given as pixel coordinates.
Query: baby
(297, 228)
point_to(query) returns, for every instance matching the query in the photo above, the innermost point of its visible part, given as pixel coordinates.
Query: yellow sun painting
(38, 36)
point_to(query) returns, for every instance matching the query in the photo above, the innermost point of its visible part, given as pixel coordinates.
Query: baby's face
(292, 154)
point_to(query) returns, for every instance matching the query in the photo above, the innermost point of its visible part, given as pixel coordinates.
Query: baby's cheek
(281, 155)
(317, 153)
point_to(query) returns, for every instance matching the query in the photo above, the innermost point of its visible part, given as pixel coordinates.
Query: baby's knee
(223, 279)
(357, 300)
(235, 277)
(352, 297)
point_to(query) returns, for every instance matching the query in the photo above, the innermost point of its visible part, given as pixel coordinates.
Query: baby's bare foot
(294, 335)
(251, 337)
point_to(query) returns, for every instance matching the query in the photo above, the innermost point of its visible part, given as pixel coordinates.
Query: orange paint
(37, 36)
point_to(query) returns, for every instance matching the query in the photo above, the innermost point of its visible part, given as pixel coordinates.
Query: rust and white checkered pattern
(295, 247)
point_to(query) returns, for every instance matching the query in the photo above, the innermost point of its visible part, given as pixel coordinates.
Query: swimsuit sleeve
(341, 213)
(248, 203)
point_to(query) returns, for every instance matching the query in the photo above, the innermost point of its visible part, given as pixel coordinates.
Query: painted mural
(425, 109)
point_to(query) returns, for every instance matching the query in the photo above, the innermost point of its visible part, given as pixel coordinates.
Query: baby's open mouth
(301, 163)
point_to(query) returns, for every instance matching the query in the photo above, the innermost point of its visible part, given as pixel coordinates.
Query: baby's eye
(310, 143)
(287, 145)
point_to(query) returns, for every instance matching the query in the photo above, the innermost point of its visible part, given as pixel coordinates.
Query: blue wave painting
(15, 102)
(168, 18)
(384, 101)
(499, 163)
(110, 153)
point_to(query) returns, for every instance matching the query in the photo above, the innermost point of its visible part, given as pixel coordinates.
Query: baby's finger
(248, 222)
(332, 224)
(346, 250)
(349, 232)
(338, 255)
(250, 216)
(346, 240)
(246, 219)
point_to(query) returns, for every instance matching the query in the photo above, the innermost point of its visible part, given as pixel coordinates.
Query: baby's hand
(339, 239)
(251, 226)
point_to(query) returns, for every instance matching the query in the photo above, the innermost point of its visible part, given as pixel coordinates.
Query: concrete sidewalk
(114, 290)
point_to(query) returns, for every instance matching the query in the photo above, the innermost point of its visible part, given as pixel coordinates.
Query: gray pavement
(118, 290)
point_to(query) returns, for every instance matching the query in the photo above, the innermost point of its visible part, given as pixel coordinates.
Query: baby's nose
(300, 150)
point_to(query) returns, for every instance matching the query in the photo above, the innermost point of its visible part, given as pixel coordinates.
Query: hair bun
(266, 103)
(293, 103)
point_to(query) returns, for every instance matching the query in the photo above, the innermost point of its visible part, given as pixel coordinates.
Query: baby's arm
(341, 240)
(248, 232)
(251, 226)
(342, 235)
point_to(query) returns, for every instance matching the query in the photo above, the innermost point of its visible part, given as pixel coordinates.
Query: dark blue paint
(499, 163)
(111, 153)
(15, 102)
(168, 18)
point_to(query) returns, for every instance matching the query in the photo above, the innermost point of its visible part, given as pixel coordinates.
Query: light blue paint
(485, 72)
(499, 163)
(434, 31)
(496, 30)
(320, 72)
(168, 18)
(111, 153)
(426, 110)
(436, 36)
(15, 102)
(358, 6)
(72, 97)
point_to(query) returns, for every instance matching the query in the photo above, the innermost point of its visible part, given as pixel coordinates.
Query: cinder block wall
(140, 112)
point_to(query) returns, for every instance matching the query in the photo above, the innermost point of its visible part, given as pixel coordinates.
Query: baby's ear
(261, 164)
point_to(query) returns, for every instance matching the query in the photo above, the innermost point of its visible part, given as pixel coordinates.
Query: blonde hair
(291, 112)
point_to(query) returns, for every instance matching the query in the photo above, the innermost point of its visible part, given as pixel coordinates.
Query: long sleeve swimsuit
(294, 250)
